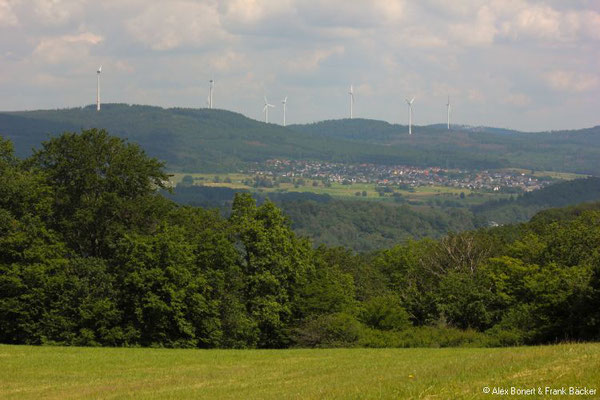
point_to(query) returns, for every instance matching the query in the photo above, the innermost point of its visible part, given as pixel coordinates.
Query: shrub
(385, 313)
(330, 330)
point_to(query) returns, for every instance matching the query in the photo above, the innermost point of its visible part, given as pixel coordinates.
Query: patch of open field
(450, 373)
(355, 191)
(565, 176)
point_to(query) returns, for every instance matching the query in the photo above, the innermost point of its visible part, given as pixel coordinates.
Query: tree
(29, 251)
(328, 289)
(275, 264)
(218, 260)
(164, 295)
(103, 187)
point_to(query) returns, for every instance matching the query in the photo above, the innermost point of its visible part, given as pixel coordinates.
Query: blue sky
(522, 64)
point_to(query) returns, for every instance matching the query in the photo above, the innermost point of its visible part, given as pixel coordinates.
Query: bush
(385, 313)
(331, 330)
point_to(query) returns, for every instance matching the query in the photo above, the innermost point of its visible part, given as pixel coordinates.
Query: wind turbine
(351, 93)
(410, 103)
(266, 110)
(284, 102)
(98, 89)
(448, 106)
(210, 93)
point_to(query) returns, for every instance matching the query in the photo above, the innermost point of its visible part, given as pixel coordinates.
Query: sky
(521, 64)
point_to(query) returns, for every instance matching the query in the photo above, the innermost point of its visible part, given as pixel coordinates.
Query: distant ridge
(219, 140)
(525, 206)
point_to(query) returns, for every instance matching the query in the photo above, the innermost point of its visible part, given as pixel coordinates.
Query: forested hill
(217, 140)
(525, 206)
(571, 150)
(187, 139)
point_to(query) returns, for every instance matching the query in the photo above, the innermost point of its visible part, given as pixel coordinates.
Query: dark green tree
(275, 265)
(102, 188)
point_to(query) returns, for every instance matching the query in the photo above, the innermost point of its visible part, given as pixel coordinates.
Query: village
(399, 175)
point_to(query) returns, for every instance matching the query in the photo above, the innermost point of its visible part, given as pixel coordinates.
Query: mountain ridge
(214, 140)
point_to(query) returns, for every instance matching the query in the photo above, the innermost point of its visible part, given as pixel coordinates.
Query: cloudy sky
(523, 64)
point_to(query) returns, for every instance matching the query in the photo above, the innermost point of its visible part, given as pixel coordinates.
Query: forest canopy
(92, 254)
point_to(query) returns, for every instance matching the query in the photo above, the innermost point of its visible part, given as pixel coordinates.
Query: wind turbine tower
(448, 107)
(410, 103)
(351, 93)
(266, 110)
(98, 88)
(284, 102)
(210, 93)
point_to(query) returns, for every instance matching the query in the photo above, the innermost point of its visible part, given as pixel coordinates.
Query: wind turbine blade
(266, 102)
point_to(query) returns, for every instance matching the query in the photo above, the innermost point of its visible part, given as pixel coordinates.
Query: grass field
(110, 373)
(565, 176)
(421, 194)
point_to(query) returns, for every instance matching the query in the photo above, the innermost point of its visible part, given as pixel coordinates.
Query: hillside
(575, 151)
(186, 139)
(525, 206)
(356, 224)
(217, 140)
(367, 225)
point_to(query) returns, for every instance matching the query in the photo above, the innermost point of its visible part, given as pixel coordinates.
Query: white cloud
(517, 99)
(478, 32)
(419, 37)
(56, 12)
(542, 22)
(65, 49)
(350, 14)
(310, 61)
(252, 12)
(570, 81)
(7, 15)
(173, 24)
(476, 95)
(228, 60)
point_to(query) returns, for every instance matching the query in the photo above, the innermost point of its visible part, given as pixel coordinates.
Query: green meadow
(338, 190)
(142, 373)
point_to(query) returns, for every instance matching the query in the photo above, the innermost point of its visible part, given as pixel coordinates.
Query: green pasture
(449, 373)
(564, 176)
(422, 193)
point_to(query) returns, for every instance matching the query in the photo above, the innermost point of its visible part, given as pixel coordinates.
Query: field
(452, 373)
(565, 176)
(419, 194)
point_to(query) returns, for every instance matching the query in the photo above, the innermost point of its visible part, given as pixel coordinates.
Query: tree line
(91, 253)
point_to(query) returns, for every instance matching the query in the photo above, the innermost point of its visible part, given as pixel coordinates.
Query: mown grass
(450, 373)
